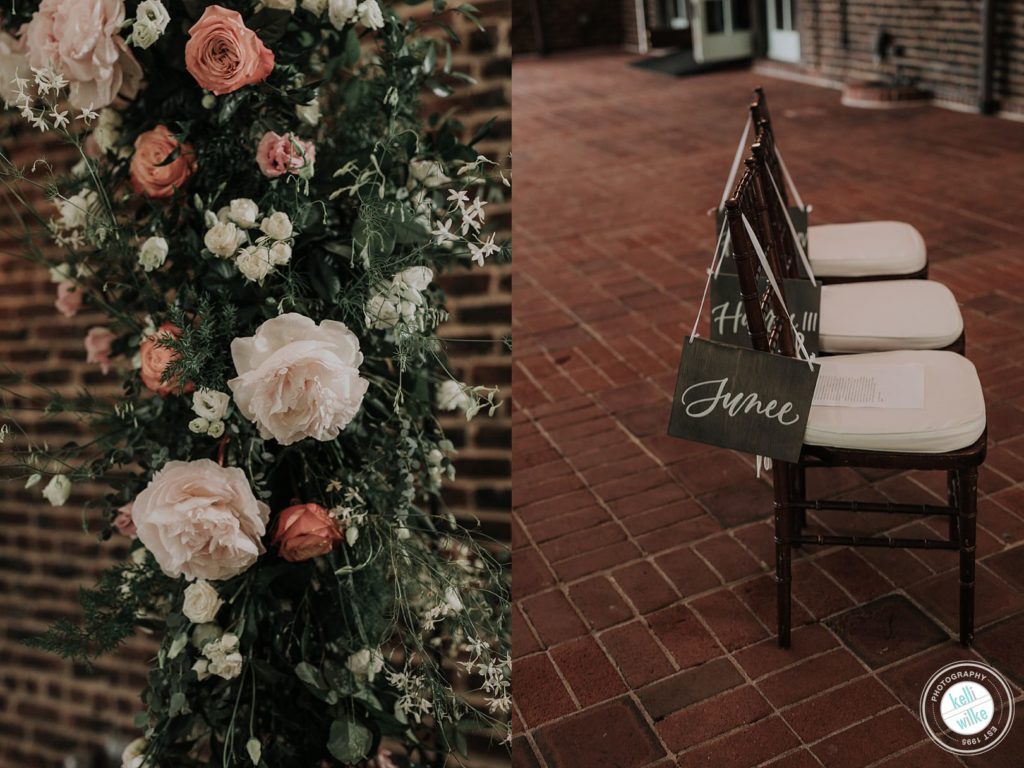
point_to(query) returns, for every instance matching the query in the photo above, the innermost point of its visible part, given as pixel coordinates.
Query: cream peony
(201, 520)
(297, 379)
(223, 239)
(201, 602)
(277, 226)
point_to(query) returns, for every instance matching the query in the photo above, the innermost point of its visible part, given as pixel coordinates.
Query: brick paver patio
(644, 618)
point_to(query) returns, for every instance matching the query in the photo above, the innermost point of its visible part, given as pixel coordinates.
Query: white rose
(382, 311)
(74, 212)
(309, 113)
(429, 173)
(201, 520)
(151, 19)
(365, 664)
(223, 657)
(277, 226)
(216, 429)
(134, 755)
(108, 129)
(341, 12)
(199, 425)
(210, 404)
(153, 253)
(417, 278)
(223, 239)
(297, 379)
(244, 212)
(57, 490)
(202, 669)
(280, 253)
(316, 7)
(451, 396)
(255, 263)
(370, 15)
(201, 602)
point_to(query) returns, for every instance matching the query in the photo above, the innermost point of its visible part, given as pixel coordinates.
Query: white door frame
(723, 45)
(784, 38)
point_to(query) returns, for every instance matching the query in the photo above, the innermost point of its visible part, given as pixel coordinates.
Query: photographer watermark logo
(967, 708)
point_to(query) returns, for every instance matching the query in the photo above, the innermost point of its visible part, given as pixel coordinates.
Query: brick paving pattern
(644, 616)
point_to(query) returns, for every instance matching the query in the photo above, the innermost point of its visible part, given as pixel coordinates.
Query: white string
(716, 262)
(792, 229)
(775, 287)
(726, 246)
(789, 179)
(735, 163)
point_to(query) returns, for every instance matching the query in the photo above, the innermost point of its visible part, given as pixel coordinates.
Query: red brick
(599, 602)
(712, 717)
(766, 657)
(688, 687)
(613, 735)
(645, 587)
(685, 637)
(746, 747)
(866, 742)
(553, 617)
(811, 677)
(733, 625)
(816, 718)
(539, 693)
(587, 670)
(636, 653)
(728, 557)
(690, 574)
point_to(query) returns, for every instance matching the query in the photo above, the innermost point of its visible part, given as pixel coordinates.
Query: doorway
(783, 31)
(721, 29)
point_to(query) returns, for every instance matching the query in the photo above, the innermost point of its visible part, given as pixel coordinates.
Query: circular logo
(967, 708)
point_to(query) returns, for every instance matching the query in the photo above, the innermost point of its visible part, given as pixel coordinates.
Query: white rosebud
(216, 429)
(210, 404)
(341, 12)
(244, 212)
(57, 490)
(451, 396)
(229, 641)
(417, 278)
(74, 211)
(134, 755)
(370, 15)
(435, 457)
(429, 173)
(352, 535)
(255, 750)
(228, 667)
(223, 239)
(255, 263)
(108, 129)
(277, 226)
(452, 600)
(209, 101)
(201, 602)
(61, 273)
(280, 254)
(309, 113)
(365, 664)
(201, 668)
(316, 7)
(199, 425)
(153, 253)
(151, 19)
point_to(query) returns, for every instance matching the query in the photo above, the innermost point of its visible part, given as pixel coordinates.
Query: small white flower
(277, 226)
(341, 12)
(57, 490)
(352, 535)
(429, 173)
(201, 602)
(153, 253)
(280, 254)
(255, 263)
(442, 232)
(60, 119)
(224, 659)
(309, 113)
(210, 404)
(223, 239)
(459, 197)
(87, 114)
(199, 425)
(370, 15)
(216, 429)
(244, 212)
(151, 19)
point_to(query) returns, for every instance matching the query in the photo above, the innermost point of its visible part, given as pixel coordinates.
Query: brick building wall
(571, 24)
(51, 710)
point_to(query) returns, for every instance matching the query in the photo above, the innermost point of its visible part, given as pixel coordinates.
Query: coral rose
(151, 173)
(297, 379)
(201, 520)
(69, 298)
(98, 342)
(223, 54)
(154, 361)
(123, 521)
(277, 155)
(305, 531)
(80, 39)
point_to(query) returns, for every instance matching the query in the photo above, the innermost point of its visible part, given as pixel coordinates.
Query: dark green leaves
(350, 740)
(270, 24)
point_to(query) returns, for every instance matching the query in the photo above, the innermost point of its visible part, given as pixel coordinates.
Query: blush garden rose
(223, 54)
(305, 531)
(154, 359)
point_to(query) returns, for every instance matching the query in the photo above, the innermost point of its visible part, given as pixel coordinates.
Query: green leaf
(310, 675)
(350, 740)
(270, 24)
(352, 48)
(178, 705)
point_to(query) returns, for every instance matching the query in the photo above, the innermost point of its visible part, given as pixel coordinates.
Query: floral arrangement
(259, 209)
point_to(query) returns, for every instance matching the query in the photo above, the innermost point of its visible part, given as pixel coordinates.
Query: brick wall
(51, 710)
(571, 24)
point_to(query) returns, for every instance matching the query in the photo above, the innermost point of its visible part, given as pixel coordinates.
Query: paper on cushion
(867, 385)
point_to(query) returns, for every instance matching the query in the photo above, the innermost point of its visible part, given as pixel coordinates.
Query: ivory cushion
(865, 248)
(953, 416)
(887, 315)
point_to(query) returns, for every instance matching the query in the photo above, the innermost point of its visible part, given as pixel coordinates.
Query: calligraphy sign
(750, 401)
(729, 318)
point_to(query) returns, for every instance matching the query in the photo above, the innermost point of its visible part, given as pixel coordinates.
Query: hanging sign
(729, 319)
(737, 398)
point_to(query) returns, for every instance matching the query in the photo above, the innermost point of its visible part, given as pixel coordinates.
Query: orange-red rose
(151, 174)
(223, 54)
(305, 531)
(155, 359)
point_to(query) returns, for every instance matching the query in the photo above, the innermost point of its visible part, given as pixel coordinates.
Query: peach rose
(155, 359)
(305, 531)
(223, 54)
(201, 520)
(80, 38)
(97, 347)
(124, 523)
(69, 298)
(151, 174)
(277, 154)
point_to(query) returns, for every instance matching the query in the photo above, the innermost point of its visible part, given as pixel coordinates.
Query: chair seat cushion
(887, 315)
(865, 248)
(953, 416)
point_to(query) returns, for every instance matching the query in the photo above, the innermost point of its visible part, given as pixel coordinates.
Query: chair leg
(798, 487)
(967, 506)
(953, 499)
(783, 550)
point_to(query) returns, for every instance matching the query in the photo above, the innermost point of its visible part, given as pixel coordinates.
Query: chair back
(774, 187)
(766, 316)
(759, 107)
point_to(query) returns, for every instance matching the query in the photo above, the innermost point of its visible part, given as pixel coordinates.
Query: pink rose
(201, 520)
(277, 155)
(305, 531)
(383, 759)
(97, 347)
(155, 358)
(124, 523)
(69, 298)
(223, 54)
(151, 174)
(80, 38)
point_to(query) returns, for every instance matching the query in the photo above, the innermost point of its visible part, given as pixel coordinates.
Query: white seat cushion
(953, 416)
(865, 248)
(888, 314)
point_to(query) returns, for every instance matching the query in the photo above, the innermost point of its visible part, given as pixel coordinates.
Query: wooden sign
(742, 399)
(800, 223)
(729, 319)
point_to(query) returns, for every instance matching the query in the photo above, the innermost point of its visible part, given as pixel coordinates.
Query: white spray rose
(74, 211)
(400, 301)
(216, 429)
(201, 602)
(277, 226)
(297, 379)
(210, 404)
(223, 239)
(370, 15)
(108, 129)
(57, 490)
(280, 253)
(365, 664)
(429, 173)
(151, 19)
(254, 261)
(134, 755)
(341, 12)
(451, 396)
(309, 113)
(244, 212)
(153, 253)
